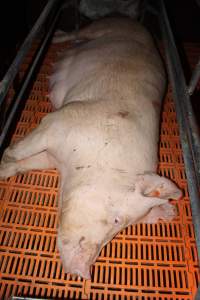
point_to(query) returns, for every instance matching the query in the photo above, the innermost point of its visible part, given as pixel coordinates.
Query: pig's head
(85, 226)
(87, 223)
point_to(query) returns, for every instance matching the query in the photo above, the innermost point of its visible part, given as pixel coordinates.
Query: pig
(102, 138)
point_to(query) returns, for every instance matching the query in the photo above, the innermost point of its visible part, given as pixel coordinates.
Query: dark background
(17, 18)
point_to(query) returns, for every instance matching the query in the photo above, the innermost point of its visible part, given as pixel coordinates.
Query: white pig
(103, 139)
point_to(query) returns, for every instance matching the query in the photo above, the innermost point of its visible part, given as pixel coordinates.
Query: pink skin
(102, 139)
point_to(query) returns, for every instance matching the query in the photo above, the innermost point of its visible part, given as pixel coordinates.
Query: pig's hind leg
(38, 161)
(30, 152)
(89, 32)
(35, 142)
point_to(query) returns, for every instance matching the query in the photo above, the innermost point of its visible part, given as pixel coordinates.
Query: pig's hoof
(168, 212)
(7, 170)
(7, 156)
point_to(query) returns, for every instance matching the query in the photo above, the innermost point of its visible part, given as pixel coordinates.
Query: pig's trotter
(166, 212)
(29, 153)
(7, 170)
(155, 186)
(33, 143)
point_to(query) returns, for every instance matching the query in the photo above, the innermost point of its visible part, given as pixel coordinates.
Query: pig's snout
(78, 265)
(77, 257)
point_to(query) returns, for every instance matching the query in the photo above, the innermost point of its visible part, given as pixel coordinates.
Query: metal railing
(189, 134)
(190, 140)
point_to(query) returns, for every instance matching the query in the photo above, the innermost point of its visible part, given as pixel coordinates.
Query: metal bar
(197, 297)
(12, 71)
(187, 127)
(76, 17)
(27, 80)
(147, 8)
(195, 78)
(27, 298)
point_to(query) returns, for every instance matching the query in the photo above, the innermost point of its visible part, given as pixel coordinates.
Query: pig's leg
(83, 34)
(89, 32)
(38, 161)
(158, 190)
(35, 142)
(165, 212)
(152, 185)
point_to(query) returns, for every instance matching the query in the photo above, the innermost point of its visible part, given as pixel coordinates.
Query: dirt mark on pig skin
(156, 105)
(65, 241)
(81, 240)
(123, 113)
(82, 167)
(120, 170)
(104, 222)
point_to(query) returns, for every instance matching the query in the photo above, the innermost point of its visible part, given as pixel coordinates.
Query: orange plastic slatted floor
(157, 262)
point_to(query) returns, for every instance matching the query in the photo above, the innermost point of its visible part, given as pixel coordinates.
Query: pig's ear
(153, 185)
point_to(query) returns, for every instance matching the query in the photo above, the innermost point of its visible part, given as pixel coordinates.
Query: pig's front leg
(159, 190)
(38, 161)
(166, 212)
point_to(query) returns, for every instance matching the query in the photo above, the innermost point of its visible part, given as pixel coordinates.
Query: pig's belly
(112, 150)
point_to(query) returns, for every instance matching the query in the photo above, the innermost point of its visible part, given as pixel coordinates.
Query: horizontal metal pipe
(27, 298)
(186, 122)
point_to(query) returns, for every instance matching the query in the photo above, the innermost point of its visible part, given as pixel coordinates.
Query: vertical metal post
(195, 78)
(76, 18)
(187, 126)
